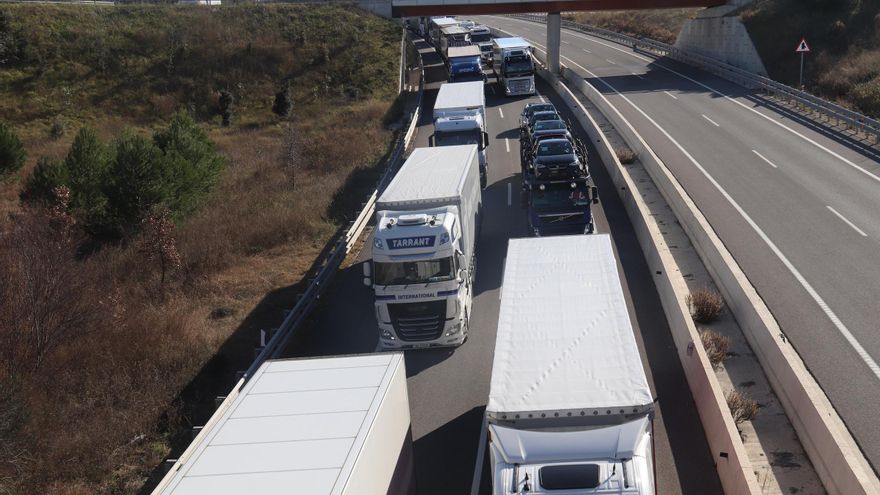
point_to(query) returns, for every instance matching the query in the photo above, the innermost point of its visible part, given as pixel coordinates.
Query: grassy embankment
(96, 410)
(844, 34)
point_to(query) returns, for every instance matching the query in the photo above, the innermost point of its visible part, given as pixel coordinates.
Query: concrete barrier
(832, 450)
(730, 457)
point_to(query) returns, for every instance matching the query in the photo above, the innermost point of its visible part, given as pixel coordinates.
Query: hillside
(843, 34)
(110, 346)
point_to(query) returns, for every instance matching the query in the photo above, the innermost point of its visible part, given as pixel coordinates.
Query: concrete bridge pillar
(554, 36)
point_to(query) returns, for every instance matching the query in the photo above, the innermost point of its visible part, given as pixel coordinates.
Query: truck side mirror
(368, 281)
(595, 193)
(431, 140)
(485, 140)
(462, 275)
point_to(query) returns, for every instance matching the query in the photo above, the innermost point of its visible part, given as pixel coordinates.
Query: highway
(448, 388)
(798, 207)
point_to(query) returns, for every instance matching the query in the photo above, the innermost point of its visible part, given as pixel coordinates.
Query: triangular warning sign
(802, 46)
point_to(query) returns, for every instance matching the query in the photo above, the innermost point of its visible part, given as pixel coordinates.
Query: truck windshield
(481, 38)
(559, 198)
(554, 148)
(471, 136)
(459, 63)
(415, 272)
(517, 64)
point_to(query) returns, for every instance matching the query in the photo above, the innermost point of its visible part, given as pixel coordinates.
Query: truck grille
(520, 86)
(418, 322)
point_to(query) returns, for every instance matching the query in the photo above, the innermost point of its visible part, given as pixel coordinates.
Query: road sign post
(802, 48)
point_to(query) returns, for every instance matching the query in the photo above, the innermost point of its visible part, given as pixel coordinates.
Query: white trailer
(569, 405)
(435, 28)
(322, 426)
(513, 66)
(460, 118)
(423, 249)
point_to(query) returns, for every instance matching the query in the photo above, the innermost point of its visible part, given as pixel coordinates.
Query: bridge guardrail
(342, 246)
(801, 99)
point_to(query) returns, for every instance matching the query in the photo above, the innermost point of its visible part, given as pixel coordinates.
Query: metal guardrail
(342, 246)
(800, 99)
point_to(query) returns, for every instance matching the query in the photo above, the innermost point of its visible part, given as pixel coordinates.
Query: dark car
(557, 158)
(532, 108)
(548, 127)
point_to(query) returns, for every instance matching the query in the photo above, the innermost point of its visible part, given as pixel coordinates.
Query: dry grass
(716, 345)
(742, 408)
(661, 25)
(99, 407)
(705, 305)
(625, 155)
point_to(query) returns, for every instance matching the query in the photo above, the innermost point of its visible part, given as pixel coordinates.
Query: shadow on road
(441, 470)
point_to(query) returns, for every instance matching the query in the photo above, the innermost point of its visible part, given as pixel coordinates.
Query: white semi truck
(513, 65)
(321, 426)
(422, 269)
(569, 406)
(460, 118)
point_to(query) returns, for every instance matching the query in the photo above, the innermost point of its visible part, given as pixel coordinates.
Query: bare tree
(158, 242)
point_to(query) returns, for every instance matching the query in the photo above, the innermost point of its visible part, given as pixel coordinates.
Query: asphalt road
(448, 388)
(798, 207)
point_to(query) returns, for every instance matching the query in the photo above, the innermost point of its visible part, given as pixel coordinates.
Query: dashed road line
(762, 157)
(710, 120)
(860, 231)
(673, 96)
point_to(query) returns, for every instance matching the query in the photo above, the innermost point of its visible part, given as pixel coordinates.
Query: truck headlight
(454, 330)
(387, 335)
(444, 238)
(378, 244)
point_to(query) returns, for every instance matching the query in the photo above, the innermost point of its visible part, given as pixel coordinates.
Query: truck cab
(482, 37)
(418, 262)
(556, 187)
(464, 64)
(460, 118)
(423, 249)
(514, 66)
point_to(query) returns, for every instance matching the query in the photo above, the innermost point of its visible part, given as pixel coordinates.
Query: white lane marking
(501, 112)
(860, 231)
(566, 42)
(509, 194)
(541, 97)
(762, 157)
(612, 62)
(835, 320)
(638, 75)
(492, 88)
(586, 51)
(743, 105)
(481, 452)
(507, 144)
(673, 96)
(710, 120)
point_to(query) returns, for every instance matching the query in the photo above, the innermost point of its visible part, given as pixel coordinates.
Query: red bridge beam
(548, 6)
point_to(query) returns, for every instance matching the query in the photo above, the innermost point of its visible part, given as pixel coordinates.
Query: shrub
(48, 175)
(58, 128)
(625, 155)
(742, 408)
(225, 103)
(867, 97)
(283, 102)
(12, 155)
(705, 305)
(194, 164)
(716, 345)
(88, 164)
